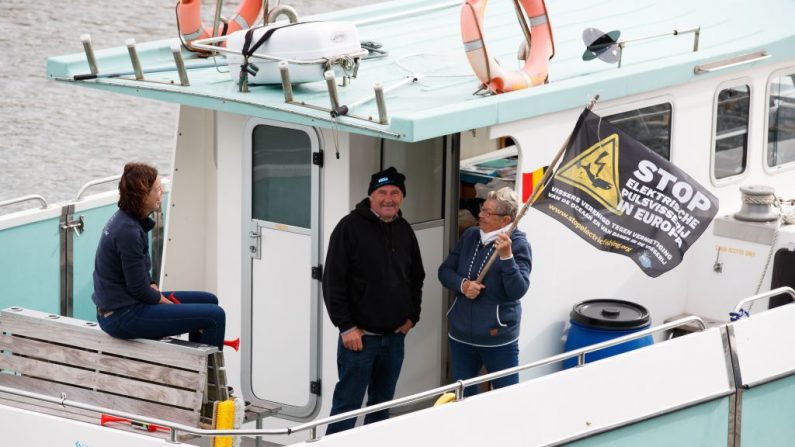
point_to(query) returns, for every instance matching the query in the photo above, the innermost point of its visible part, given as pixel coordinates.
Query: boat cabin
(263, 172)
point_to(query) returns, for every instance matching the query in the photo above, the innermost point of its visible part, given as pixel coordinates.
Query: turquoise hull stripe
(767, 414)
(30, 263)
(30, 266)
(704, 425)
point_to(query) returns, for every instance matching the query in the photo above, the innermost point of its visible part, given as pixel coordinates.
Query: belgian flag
(530, 181)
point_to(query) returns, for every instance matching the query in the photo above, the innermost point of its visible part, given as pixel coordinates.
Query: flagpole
(534, 196)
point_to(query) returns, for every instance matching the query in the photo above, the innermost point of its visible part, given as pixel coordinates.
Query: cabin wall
(363, 157)
(714, 293)
(192, 204)
(340, 191)
(228, 268)
(476, 142)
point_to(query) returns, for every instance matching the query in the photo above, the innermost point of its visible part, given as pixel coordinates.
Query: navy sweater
(122, 267)
(492, 319)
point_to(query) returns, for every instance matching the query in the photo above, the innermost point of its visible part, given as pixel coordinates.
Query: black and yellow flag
(622, 197)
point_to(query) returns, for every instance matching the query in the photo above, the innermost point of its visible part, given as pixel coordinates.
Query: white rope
(769, 257)
(787, 210)
(784, 217)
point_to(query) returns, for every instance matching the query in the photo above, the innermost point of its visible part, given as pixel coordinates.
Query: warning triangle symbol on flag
(595, 171)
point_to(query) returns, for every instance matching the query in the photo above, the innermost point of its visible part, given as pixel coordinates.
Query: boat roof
(422, 37)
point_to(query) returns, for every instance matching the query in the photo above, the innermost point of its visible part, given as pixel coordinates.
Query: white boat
(260, 178)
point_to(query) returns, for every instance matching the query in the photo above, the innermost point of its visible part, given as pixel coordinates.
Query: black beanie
(389, 176)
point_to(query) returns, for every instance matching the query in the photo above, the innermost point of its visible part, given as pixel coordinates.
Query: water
(55, 137)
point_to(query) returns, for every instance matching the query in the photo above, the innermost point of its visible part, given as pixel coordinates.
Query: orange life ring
(190, 22)
(536, 67)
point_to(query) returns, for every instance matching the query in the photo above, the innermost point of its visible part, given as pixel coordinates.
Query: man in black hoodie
(372, 286)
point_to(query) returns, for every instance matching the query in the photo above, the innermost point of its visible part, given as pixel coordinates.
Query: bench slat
(66, 331)
(116, 365)
(101, 382)
(120, 403)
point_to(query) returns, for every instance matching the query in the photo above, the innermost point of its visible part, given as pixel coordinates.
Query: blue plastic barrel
(595, 321)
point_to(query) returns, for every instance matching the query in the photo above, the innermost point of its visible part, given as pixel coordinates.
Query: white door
(281, 303)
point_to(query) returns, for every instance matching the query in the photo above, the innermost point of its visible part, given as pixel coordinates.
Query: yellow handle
(224, 420)
(445, 398)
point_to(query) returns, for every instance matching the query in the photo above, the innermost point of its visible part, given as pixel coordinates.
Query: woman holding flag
(485, 315)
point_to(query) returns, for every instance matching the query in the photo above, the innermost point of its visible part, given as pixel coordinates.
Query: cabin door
(280, 314)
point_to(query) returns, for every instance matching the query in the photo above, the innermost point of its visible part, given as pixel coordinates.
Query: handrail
(623, 43)
(312, 426)
(788, 290)
(732, 62)
(25, 199)
(580, 352)
(96, 182)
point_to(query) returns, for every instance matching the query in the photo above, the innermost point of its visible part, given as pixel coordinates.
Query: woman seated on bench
(129, 303)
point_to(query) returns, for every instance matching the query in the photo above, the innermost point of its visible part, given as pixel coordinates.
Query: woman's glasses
(488, 212)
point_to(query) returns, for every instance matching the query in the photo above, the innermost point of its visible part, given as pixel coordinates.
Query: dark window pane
(731, 131)
(282, 176)
(649, 125)
(781, 122)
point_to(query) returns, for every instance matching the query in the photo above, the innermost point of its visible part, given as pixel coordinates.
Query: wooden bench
(168, 379)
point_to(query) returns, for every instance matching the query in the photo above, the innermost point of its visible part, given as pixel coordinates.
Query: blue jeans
(375, 369)
(198, 314)
(466, 361)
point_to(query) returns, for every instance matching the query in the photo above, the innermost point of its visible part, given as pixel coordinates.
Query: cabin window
(282, 177)
(731, 131)
(781, 121)
(649, 125)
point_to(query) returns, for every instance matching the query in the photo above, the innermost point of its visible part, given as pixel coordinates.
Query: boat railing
(457, 388)
(26, 198)
(91, 184)
(739, 309)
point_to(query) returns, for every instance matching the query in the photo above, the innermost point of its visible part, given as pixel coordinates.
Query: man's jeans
(375, 368)
(198, 315)
(466, 361)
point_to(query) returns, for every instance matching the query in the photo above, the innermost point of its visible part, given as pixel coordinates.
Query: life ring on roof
(498, 79)
(191, 27)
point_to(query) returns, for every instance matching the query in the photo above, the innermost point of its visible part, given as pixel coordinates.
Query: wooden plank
(216, 379)
(103, 382)
(107, 363)
(70, 332)
(120, 403)
(256, 412)
(191, 399)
